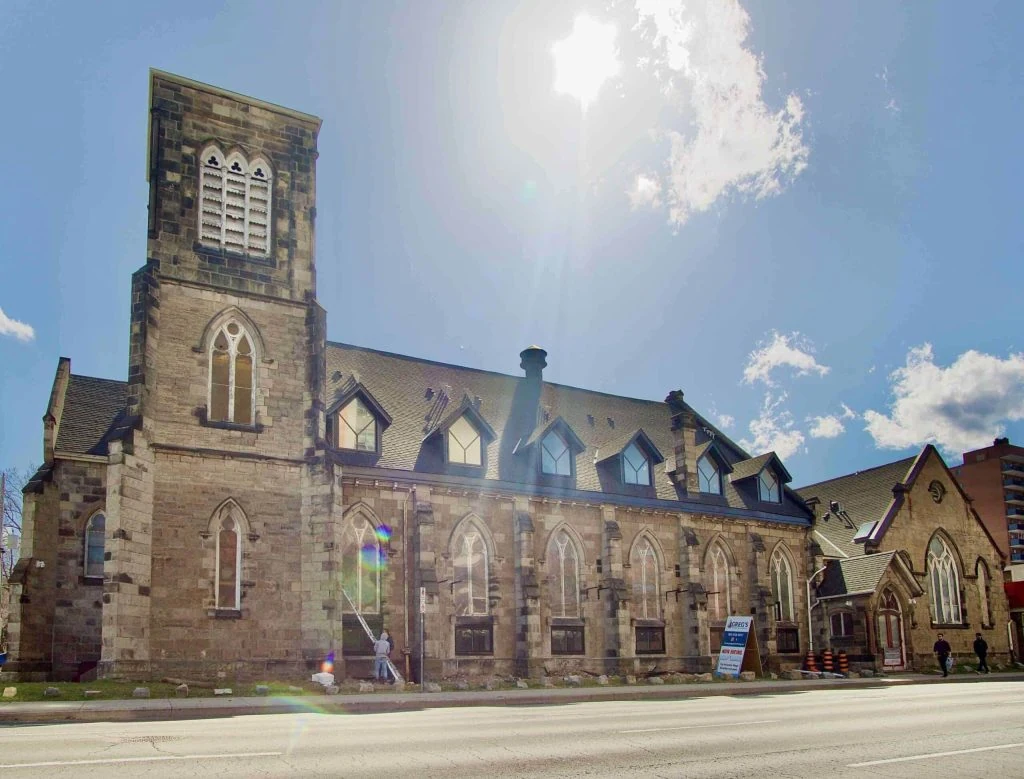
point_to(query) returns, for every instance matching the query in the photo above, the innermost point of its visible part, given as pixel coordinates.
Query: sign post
(733, 657)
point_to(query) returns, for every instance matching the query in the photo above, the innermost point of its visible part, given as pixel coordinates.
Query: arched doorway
(890, 632)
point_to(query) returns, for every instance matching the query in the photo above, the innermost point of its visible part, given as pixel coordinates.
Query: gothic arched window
(471, 574)
(644, 564)
(362, 559)
(718, 584)
(636, 468)
(782, 586)
(708, 476)
(95, 536)
(229, 563)
(555, 455)
(464, 444)
(232, 385)
(234, 202)
(986, 606)
(944, 583)
(564, 576)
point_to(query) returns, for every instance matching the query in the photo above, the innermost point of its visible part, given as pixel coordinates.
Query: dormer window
(464, 444)
(357, 427)
(768, 487)
(708, 476)
(555, 456)
(636, 468)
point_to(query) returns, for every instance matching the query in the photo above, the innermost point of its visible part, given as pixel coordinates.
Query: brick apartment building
(250, 486)
(994, 478)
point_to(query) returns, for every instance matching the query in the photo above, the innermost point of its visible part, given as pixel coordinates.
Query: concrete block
(602, 680)
(51, 692)
(522, 684)
(181, 691)
(433, 687)
(747, 676)
(93, 693)
(573, 680)
(140, 692)
(223, 691)
(867, 673)
(655, 680)
(10, 692)
(262, 689)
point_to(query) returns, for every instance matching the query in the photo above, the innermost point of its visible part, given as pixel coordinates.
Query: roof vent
(611, 423)
(833, 506)
(533, 360)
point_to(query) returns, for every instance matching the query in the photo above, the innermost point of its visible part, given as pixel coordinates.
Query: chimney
(533, 360)
(684, 434)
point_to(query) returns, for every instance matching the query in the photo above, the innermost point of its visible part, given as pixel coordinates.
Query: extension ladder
(369, 634)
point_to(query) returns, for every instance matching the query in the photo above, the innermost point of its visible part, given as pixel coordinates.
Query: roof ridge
(98, 378)
(441, 364)
(856, 473)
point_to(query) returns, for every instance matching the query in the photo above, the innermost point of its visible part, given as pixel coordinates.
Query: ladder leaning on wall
(369, 634)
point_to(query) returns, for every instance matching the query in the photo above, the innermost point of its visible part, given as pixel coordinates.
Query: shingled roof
(91, 409)
(855, 575)
(863, 497)
(417, 392)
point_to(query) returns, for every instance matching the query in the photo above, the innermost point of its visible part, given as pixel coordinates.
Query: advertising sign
(734, 645)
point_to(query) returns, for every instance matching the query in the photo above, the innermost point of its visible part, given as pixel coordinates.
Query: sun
(585, 60)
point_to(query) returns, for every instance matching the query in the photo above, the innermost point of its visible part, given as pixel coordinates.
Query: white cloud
(646, 192)
(793, 350)
(725, 421)
(773, 430)
(959, 407)
(848, 413)
(736, 144)
(892, 106)
(19, 330)
(829, 426)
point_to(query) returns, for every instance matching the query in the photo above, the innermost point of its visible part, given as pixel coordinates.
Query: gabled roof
(358, 390)
(752, 467)
(712, 449)
(91, 409)
(618, 446)
(418, 392)
(466, 409)
(562, 427)
(861, 575)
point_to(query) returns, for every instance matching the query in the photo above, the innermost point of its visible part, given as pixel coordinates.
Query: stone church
(252, 489)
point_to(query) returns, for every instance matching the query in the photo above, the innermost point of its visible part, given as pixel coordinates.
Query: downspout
(406, 567)
(810, 627)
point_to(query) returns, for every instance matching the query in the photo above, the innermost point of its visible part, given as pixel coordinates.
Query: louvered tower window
(234, 203)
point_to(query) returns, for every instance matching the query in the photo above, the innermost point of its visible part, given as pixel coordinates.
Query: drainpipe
(405, 575)
(810, 627)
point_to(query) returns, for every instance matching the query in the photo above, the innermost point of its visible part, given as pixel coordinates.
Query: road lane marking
(934, 754)
(696, 727)
(162, 758)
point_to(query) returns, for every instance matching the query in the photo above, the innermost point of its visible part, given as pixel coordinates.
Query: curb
(147, 710)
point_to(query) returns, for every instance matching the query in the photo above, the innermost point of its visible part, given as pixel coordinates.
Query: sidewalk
(370, 703)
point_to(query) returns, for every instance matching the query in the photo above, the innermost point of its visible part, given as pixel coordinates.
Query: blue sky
(805, 215)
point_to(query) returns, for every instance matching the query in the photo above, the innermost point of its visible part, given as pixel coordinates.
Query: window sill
(92, 581)
(217, 613)
(220, 253)
(950, 626)
(201, 413)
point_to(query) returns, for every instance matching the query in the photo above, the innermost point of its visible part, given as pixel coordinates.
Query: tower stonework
(230, 258)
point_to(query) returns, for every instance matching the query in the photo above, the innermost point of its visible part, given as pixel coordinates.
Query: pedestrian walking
(943, 650)
(381, 650)
(981, 650)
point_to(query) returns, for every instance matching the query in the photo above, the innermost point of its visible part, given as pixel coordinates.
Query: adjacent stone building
(901, 556)
(252, 489)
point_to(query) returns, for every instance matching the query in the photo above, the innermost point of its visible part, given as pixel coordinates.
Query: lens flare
(383, 533)
(372, 557)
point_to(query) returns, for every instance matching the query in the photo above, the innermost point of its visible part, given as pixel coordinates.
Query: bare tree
(13, 481)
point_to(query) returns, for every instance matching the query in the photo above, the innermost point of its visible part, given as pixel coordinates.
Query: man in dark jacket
(943, 649)
(981, 650)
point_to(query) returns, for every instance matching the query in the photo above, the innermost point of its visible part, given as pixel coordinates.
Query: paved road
(892, 731)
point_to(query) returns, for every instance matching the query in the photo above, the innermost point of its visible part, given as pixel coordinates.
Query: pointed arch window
(234, 202)
(644, 562)
(564, 576)
(471, 574)
(782, 587)
(944, 584)
(709, 479)
(635, 466)
(95, 538)
(718, 585)
(986, 606)
(228, 575)
(232, 388)
(768, 487)
(555, 455)
(464, 444)
(362, 560)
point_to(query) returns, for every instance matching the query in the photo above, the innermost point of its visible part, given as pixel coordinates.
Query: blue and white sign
(734, 645)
